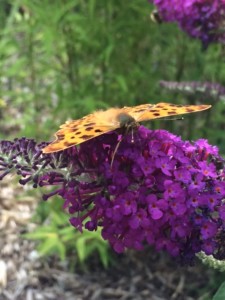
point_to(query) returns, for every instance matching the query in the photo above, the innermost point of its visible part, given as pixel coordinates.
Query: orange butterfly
(78, 131)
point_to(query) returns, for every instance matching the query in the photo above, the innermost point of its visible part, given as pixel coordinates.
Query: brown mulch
(24, 275)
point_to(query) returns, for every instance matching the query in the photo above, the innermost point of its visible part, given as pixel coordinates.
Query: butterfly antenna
(172, 119)
(114, 152)
(118, 144)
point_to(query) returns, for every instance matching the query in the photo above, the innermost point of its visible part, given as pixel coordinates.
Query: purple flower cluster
(159, 190)
(202, 19)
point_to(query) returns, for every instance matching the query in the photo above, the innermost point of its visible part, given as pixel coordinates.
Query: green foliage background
(62, 59)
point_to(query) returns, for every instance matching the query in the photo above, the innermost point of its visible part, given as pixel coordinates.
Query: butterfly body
(78, 131)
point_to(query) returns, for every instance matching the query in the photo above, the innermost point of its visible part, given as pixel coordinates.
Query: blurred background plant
(56, 236)
(63, 59)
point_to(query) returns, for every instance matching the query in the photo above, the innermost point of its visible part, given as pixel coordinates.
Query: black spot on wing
(60, 137)
(172, 112)
(140, 110)
(87, 136)
(156, 114)
(89, 128)
(190, 110)
(68, 144)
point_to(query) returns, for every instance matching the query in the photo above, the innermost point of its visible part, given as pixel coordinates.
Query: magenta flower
(201, 19)
(156, 206)
(160, 190)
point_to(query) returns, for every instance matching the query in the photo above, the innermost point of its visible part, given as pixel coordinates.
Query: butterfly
(78, 131)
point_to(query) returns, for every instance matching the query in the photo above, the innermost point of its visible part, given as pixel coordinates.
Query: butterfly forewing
(68, 137)
(162, 110)
(78, 131)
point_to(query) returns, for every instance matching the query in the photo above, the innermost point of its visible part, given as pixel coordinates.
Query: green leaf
(52, 246)
(81, 248)
(220, 294)
(103, 253)
(59, 218)
(91, 8)
(122, 83)
(46, 232)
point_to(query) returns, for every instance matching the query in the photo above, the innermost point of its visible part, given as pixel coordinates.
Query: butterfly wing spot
(155, 112)
(60, 137)
(189, 110)
(89, 128)
(140, 110)
(67, 145)
(86, 137)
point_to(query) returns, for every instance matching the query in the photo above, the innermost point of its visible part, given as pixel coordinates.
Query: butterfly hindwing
(78, 131)
(137, 111)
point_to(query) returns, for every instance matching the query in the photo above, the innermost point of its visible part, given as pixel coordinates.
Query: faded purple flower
(210, 90)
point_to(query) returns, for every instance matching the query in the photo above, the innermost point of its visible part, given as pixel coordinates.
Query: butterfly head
(126, 120)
